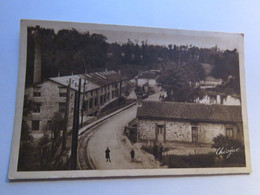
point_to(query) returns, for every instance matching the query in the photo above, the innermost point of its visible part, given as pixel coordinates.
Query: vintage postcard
(99, 100)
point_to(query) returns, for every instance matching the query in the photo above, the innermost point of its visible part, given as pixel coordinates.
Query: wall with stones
(181, 131)
(178, 131)
(49, 100)
(145, 130)
(207, 131)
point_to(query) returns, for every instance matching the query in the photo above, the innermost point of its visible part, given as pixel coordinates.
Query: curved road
(92, 145)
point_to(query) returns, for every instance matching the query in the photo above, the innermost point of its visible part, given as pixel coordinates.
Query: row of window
(37, 107)
(62, 105)
(194, 132)
(36, 125)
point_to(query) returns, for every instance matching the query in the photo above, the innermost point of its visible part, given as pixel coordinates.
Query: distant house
(164, 122)
(147, 78)
(210, 83)
(49, 96)
(212, 97)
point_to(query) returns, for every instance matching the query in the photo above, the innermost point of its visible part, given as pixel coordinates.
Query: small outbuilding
(163, 122)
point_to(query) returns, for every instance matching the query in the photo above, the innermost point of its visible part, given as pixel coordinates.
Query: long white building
(49, 97)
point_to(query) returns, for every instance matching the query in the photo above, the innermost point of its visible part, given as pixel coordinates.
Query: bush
(190, 161)
(234, 159)
(222, 141)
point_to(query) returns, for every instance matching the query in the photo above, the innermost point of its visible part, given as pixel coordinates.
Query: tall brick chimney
(37, 56)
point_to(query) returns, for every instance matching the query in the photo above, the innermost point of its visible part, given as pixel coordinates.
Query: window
(101, 99)
(36, 92)
(105, 98)
(62, 107)
(113, 94)
(35, 125)
(96, 101)
(48, 125)
(85, 106)
(194, 134)
(37, 108)
(229, 132)
(91, 93)
(160, 133)
(108, 95)
(63, 92)
(91, 103)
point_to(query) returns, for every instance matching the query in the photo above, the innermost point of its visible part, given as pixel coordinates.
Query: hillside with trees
(71, 52)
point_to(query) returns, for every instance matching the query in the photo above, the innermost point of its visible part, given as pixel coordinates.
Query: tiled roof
(104, 78)
(93, 80)
(189, 111)
(64, 80)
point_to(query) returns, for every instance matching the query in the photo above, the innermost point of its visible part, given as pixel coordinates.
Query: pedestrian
(160, 151)
(132, 153)
(155, 151)
(108, 155)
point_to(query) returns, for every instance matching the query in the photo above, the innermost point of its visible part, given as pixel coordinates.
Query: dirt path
(110, 134)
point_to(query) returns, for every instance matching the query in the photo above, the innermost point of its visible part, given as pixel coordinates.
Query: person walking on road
(160, 151)
(132, 153)
(108, 155)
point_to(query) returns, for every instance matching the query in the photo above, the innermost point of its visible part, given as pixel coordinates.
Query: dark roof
(189, 111)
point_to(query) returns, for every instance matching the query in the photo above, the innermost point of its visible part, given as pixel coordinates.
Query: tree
(26, 160)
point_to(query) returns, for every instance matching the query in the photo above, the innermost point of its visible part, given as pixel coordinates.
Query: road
(92, 146)
(155, 97)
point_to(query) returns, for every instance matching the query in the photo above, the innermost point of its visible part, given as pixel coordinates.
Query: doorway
(160, 133)
(194, 134)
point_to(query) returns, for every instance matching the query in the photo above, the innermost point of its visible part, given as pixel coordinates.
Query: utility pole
(64, 134)
(75, 129)
(83, 99)
(120, 85)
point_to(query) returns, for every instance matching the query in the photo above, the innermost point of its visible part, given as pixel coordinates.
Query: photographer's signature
(227, 151)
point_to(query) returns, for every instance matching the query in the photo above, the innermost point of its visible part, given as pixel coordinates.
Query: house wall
(178, 131)
(146, 130)
(151, 82)
(229, 100)
(141, 82)
(49, 100)
(181, 131)
(207, 131)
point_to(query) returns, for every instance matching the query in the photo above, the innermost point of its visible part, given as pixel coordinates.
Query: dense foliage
(68, 51)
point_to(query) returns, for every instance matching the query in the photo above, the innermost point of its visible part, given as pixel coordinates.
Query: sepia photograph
(98, 100)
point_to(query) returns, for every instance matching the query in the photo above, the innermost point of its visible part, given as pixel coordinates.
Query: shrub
(190, 161)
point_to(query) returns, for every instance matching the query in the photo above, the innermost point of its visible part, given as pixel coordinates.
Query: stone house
(49, 97)
(165, 122)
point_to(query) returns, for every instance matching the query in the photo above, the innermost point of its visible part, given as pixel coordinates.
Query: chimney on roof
(37, 56)
(58, 74)
(106, 70)
(72, 73)
(119, 71)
